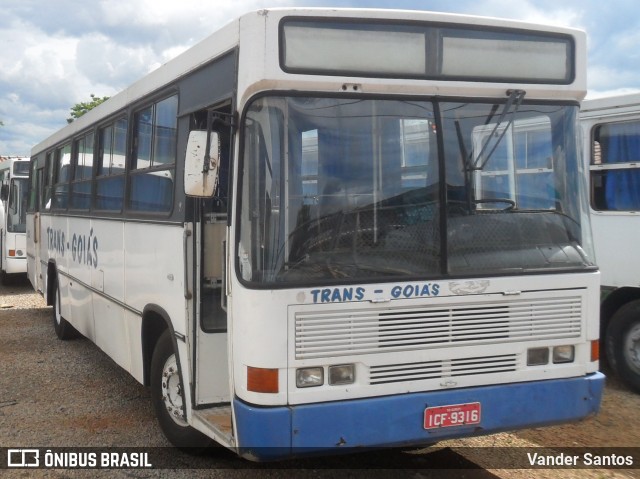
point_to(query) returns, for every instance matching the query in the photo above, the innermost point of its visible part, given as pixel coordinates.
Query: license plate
(452, 415)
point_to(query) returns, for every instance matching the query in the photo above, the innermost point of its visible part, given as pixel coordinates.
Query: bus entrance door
(212, 376)
(34, 266)
(211, 391)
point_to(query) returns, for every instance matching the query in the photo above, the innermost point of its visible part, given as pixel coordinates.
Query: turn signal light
(261, 380)
(595, 350)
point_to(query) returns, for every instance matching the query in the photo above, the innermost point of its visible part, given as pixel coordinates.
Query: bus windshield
(351, 189)
(17, 213)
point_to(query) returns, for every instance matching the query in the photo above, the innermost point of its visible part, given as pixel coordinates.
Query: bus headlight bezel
(564, 354)
(342, 374)
(309, 377)
(537, 356)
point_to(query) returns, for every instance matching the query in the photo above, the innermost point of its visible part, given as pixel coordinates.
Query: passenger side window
(83, 166)
(112, 149)
(615, 167)
(62, 174)
(152, 173)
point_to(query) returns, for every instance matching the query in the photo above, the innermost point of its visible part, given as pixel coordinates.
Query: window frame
(60, 188)
(80, 147)
(163, 207)
(100, 178)
(598, 170)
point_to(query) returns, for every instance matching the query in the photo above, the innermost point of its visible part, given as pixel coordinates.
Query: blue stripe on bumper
(266, 433)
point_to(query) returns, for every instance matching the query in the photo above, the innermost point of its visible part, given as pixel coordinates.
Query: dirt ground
(616, 425)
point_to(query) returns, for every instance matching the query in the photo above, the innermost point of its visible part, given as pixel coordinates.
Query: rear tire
(62, 327)
(168, 398)
(623, 344)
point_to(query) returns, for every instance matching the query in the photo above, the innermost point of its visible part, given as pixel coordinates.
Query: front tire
(623, 344)
(168, 398)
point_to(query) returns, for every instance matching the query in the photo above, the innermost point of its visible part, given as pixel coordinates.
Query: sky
(56, 53)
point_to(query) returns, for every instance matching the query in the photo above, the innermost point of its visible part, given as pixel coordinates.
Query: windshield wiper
(515, 98)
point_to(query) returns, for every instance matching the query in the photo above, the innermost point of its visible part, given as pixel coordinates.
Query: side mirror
(201, 167)
(4, 192)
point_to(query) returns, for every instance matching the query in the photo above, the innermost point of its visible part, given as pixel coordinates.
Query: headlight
(537, 356)
(309, 377)
(343, 374)
(563, 354)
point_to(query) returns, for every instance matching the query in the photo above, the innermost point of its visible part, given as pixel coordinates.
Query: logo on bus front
(83, 248)
(361, 293)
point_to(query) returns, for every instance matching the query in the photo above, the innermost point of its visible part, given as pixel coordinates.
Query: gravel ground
(70, 394)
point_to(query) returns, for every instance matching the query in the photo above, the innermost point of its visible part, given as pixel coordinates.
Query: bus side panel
(77, 263)
(31, 250)
(616, 247)
(112, 335)
(58, 251)
(43, 253)
(106, 256)
(3, 248)
(3, 241)
(154, 280)
(153, 275)
(153, 269)
(130, 347)
(3, 232)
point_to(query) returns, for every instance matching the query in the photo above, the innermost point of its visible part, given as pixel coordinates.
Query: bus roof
(610, 104)
(7, 160)
(228, 38)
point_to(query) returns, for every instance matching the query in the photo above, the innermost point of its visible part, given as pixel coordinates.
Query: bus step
(218, 421)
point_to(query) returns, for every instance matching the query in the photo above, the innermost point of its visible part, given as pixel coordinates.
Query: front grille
(393, 373)
(372, 329)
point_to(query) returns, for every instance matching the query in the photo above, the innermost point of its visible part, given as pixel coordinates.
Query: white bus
(14, 180)
(612, 138)
(300, 233)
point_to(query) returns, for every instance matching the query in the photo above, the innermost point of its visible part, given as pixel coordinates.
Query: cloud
(26, 125)
(56, 53)
(109, 66)
(570, 14)
(38, 83)
(603, 78)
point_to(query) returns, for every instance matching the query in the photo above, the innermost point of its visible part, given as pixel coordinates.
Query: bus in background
(612, 140)
(327, 229)
(14, 180)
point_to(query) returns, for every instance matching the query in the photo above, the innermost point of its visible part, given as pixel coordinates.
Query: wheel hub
(172, 391)
(632, 347)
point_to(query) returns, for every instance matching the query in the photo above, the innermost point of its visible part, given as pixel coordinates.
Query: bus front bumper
(16, 265)
(271, 433)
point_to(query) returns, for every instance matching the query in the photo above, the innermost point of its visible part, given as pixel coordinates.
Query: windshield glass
(17, 207)
(338, 190)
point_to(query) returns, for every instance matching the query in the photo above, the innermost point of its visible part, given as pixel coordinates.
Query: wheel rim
(56, 305)
(172, 391)
(632, 348)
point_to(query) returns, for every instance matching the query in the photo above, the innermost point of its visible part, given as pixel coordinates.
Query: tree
(80, 109)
